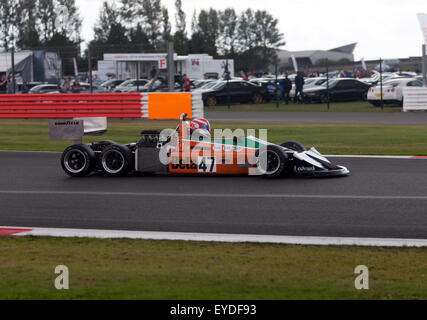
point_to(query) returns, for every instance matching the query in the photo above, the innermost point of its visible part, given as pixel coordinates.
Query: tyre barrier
(109, 105)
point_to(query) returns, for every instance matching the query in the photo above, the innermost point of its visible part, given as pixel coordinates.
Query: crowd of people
(7, 86)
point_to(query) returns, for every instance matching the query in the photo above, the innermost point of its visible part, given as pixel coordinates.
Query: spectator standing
(187, 83)
(299, 88)
(66, 86)
(127, 73)
(25, 87)
(96, 81)
(3, 84)
(10, 86)
(287, 86)
(76, 88)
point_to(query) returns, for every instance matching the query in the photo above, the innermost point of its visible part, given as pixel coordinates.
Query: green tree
(246, 30)
(109, 29)
(146, 13)
(28, 35)
(268, 36)
(9, 22)
(167, 28)
(228, 36)
(180, 36)
(205, 32)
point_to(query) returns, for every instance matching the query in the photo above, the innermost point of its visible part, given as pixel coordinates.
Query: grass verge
(357, 106)
(33, 135)
(137, 269)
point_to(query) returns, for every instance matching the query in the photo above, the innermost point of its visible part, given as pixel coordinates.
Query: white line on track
(213, 195)
(216, 237)
(328, 156)
(375, 157)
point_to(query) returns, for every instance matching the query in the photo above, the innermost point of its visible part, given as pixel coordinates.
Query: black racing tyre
(106, 142)
(211, 101)
(257, 98)
(271, 161)
(323, 98)
(78, 160)
(294, 145)
(116, 160)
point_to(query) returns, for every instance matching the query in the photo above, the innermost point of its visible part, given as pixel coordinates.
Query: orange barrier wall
(169, 105)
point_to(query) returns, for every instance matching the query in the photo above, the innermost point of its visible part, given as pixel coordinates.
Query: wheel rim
(113, 161)
(75, 161)
(257, 99)
(211, 101)
(269, 162)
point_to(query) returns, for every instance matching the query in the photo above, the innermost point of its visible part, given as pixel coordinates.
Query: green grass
(358, 106)
(136, 269)
(33, 135)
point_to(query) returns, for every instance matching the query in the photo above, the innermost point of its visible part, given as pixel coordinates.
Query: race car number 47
(207, 164)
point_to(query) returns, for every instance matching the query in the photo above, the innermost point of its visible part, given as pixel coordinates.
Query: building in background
(308, 58)
(32, 66)
(140, 65)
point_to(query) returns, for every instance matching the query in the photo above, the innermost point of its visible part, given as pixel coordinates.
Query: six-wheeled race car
(191, 150)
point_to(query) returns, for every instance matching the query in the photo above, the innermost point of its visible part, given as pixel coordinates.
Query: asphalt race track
(383, 198)
(396, 118)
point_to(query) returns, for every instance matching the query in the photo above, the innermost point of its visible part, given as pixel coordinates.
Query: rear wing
(74, 129)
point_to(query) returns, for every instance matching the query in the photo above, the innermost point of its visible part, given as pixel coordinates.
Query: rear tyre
(78, 160)
(116, 160)
(323, 98)
(257, 98)
(211, 101)
(294, 145)
(272, 161)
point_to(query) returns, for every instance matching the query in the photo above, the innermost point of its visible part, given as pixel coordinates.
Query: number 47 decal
(207, 164)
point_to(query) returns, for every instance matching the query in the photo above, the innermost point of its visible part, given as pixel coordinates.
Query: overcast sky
(382, 28)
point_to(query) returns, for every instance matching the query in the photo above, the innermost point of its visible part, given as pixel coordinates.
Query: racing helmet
(200, 128)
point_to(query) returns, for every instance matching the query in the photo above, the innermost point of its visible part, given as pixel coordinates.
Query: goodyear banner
(422, 18)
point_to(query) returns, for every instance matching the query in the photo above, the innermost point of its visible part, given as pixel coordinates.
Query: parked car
(342, 89)
(198, 84)
(130, 85)
(44, 88)
(392, 91)
(238, 91)
(109, 85)
(268, 87)
(309, 83)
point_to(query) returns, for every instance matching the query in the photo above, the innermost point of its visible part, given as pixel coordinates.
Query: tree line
(250, 37)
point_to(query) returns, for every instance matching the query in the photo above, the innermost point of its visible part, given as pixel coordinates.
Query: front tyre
(78, 160)
(116, 160)
(211, 101)
(272, 161)
(294, 145)
(257, 98)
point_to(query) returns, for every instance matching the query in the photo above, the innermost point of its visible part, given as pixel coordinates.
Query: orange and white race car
(180, 152)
